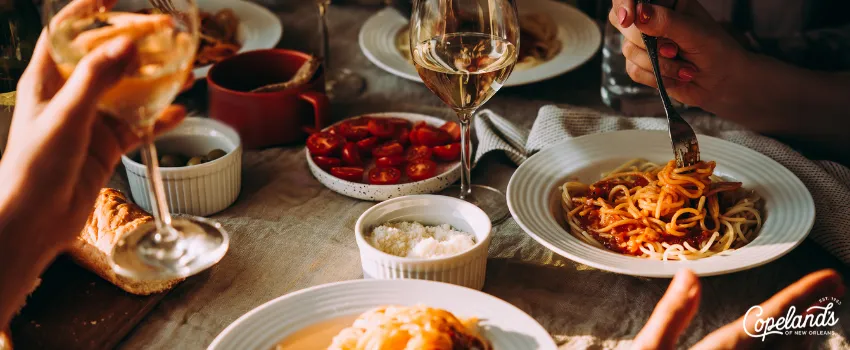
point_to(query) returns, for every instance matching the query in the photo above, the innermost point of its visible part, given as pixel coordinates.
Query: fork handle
(651, 44)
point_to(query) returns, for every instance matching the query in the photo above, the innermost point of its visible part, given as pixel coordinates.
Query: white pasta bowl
(465, 269)
(199, 190)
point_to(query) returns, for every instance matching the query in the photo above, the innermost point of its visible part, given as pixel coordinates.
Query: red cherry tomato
(327, 162)
(431, 137)
(452, 129)
(390, 161)
(367, 145)
(323, 143)
(402, 135)
(384, 176)
(391, 148)
(355, 129)
(351, 154)
(400, 122)
(353, 174)
(418, 152)
(421, 169)
(447, 153)
(414, 140)
(381, 128)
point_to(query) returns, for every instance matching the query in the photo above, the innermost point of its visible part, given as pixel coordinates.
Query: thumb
(672, 314)
(96, 73)
(684, 29)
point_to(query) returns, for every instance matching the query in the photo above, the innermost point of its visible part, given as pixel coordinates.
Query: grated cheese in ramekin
(414, 240)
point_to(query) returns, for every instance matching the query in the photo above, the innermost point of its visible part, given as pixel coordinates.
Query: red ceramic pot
(266, 119)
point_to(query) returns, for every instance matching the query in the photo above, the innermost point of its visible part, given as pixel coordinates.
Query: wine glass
(464, 50)
(343, 84)
(166, 38)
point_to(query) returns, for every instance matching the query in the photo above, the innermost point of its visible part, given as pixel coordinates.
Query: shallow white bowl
(534, 199)
(506, 326)
(465, 269)
(198, 190)
(447, 173)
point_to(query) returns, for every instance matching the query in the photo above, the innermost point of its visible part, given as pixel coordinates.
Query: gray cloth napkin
(828, 182)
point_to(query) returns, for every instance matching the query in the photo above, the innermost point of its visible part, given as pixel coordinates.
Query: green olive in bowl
(215, 154)
(172, 161)
(196, 161)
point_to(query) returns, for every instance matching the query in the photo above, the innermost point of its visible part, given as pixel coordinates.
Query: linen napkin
(828, 182)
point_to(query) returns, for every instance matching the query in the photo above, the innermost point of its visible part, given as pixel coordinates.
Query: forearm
(781, 100)
(23, 257)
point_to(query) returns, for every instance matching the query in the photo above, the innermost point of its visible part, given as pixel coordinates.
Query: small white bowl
(465, 269)
(198, 190)
(447, 173)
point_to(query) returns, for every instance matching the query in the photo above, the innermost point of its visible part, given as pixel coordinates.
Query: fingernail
(668, 50)
(621, 15)
(692, 293)
(644, 13)
(687, 74)
(680, 281)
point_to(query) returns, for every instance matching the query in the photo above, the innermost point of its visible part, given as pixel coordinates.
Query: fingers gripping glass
(464, 51)
(165, 34)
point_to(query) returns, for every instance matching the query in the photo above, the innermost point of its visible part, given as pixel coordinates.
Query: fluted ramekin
(465, 269)
(199, 190)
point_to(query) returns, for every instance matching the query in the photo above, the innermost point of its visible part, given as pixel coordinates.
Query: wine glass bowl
(464, 51)
(165, 41)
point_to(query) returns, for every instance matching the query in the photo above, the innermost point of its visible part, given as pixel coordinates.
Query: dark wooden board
(75, 309)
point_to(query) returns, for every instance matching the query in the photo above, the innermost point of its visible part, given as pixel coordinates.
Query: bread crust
(112, 217)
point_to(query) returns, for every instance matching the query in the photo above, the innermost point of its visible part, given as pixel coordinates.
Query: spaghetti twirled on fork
(662, 212)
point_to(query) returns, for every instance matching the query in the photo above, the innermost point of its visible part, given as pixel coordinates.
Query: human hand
(698, 59)
(61, 150)
(679, 304)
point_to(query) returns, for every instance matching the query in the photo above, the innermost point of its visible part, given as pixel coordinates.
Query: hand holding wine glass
(165, 41)
(464, 50)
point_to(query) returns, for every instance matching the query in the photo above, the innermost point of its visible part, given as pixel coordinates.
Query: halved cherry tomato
(452, 129)
(334, 130)
(353, 174)
(384, 176)
(430, 136)
(391, 148)
(351, 154)
(400, 122)
(447, 153)
(390, 161)
(421, 169)
(402, 135)
(323, 143)
(367, 145)
(418, 152)
(327, 162)
(381, 128)
(355, 129)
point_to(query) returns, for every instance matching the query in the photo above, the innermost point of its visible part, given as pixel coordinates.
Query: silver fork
(163, 5)
(685, 144)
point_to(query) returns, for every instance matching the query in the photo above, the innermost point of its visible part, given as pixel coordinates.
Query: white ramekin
(198, 190)
(466, 269)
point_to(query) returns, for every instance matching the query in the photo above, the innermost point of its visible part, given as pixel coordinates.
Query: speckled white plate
(506, 326)
(534, 199)
(259, 28)
(579, 35)
(448, 173)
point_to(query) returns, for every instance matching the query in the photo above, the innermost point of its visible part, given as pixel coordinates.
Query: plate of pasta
(617, 202)
(228, 27)
(555, 38)
(385, 314)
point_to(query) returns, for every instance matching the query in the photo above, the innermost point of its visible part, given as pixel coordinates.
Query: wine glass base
(345, 85)
(490, 200)
(140, 255)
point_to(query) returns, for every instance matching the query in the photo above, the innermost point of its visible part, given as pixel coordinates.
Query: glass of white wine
(165, 34)
(464, 50)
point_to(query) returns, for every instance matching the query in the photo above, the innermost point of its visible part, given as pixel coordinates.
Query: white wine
(464, 69)
(161, 66)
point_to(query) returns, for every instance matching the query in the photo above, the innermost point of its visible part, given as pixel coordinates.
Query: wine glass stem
(323, 29)
(159, 206)
(465, 117)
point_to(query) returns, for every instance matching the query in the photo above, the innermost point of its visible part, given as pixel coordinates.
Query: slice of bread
(113, 216)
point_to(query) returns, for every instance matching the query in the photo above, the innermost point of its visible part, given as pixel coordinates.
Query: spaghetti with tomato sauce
(662, 212)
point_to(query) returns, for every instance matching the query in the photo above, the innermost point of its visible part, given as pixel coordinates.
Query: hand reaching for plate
(680, 303)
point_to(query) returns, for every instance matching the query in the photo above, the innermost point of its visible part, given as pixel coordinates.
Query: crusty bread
(112, 217)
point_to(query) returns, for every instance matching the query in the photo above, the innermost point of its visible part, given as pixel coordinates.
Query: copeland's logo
(820, 316)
